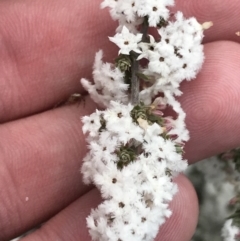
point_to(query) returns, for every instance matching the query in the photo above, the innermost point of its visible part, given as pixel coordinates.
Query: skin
(45, 48)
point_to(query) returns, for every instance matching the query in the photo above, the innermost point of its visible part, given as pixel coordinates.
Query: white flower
(131, 26)
(127, 9)
(147, 48)
(185, 36)
(229, 231)
(160, 61)
(127, 41)
(119, 122)
(180, 44)
(92, 124)
(117, 110)
(107, 79)
(154, 9)
(113, 5)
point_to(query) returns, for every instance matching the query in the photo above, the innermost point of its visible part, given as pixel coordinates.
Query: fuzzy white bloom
(147, 48)
(161, 59)
(155, 10)
(125, 12)
(108, 83)
(180, 44)
(131, 26)
(230, 232)
(92, 124)
(138, 193)
(185, 36)
(121, 10)
(130, 10)
(127, 41)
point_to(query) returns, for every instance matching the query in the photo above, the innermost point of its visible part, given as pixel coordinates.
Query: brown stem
(134, 66)
(145, 26)
(134, 82)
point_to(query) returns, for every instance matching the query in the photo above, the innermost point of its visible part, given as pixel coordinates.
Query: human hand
(46, 47)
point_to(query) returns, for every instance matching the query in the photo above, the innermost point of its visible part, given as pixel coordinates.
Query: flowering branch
(135, 149)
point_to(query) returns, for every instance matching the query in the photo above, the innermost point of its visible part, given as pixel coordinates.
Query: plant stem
(134, 82)
(134, 66)
(145, 30)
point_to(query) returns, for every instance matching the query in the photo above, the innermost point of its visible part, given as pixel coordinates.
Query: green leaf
(143, 76)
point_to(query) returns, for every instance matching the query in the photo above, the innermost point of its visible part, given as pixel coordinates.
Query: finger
(212, 103)
(40, 161)
(224, 15)
(45, 48)
(70, 224)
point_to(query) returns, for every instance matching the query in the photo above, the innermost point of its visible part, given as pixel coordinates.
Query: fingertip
(210, 103)
(181, 225)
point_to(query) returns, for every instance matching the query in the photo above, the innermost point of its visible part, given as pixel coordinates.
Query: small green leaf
(142, 76)
(123, 62)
